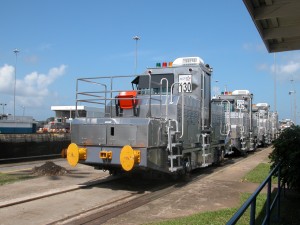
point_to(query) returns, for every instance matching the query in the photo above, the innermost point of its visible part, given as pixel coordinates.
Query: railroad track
(132, 196)
(9, 168)
(7, 161)
(103, 213)
(72, 188)
(34, 162)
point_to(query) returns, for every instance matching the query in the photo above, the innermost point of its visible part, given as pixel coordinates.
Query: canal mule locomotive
(162, 123)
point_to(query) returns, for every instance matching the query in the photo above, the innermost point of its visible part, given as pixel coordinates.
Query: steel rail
(102, 214)
(91, 183)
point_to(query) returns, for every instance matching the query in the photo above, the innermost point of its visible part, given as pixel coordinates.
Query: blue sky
(61, 40)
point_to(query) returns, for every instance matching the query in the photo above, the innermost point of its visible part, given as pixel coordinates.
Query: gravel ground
(49, 169)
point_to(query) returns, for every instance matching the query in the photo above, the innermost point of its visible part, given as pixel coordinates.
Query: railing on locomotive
(105, 91)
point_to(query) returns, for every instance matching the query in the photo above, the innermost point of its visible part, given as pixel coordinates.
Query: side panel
(89, 134)
(120, 135)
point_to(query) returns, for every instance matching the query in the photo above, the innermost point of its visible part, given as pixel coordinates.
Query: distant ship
(17, 125)
(19, 139)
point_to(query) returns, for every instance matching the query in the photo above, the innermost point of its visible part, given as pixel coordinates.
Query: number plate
(186, 83)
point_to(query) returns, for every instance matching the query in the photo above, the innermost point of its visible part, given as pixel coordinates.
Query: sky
(62, 40)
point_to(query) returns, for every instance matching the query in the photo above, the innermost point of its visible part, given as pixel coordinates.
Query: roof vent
(186, 61)
(241, 92)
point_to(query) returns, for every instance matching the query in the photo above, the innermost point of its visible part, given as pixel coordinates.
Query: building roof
(73, 108)
(67, 107)
(278, 22)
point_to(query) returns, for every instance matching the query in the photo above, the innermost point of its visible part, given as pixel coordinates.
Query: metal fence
(270, 204)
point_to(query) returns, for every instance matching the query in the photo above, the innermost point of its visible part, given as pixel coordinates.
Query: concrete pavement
(216, 191)
(219, 190)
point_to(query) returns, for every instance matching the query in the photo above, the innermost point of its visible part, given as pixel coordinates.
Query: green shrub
(287, 151)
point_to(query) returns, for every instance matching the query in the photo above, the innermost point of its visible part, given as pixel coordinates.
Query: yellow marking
(105, 155)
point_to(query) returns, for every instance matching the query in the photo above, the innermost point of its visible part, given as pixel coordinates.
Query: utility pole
(275, 77)
(16, 51)
(136, 38)
(293, 112)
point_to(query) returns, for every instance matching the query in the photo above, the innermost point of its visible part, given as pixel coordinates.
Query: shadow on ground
(290, 208)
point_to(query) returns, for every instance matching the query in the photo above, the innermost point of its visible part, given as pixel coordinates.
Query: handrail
(88, 93)
(252, 201)
(182, 107)
(106, 92)
(149, 110)
(227, 125)
(167, 95)
(202, 100)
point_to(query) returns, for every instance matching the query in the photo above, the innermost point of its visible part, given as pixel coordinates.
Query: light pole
(295, 106)
(275, 77)
(216, 89)
(3, 105)
(16, 51)
(136, 38)
(290, 93)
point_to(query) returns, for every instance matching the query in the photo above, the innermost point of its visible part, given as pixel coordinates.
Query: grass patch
(207, 218)
(259, 174)
(11, 178)
(220, 216)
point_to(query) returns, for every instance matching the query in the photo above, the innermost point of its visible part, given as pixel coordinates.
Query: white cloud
(287, 71)
(287, 67)
(6, 79)
(32, 90)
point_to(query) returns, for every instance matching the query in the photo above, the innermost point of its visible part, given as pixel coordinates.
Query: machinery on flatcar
(163, 123)
(235, 121)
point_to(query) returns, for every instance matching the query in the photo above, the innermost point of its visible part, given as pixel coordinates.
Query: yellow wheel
(73, 154)
(129, 157)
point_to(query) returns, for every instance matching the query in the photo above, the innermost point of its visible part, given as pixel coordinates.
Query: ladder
(205, 148)
(174, 148)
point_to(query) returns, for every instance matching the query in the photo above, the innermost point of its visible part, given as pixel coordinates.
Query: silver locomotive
(274, 125)
(235, 116)
(163, 123)
(261, 123)
(265, 124)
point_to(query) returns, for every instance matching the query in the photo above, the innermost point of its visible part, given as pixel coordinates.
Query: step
(205, 145)
(175, 168)
(174, 156)
(176, 144)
